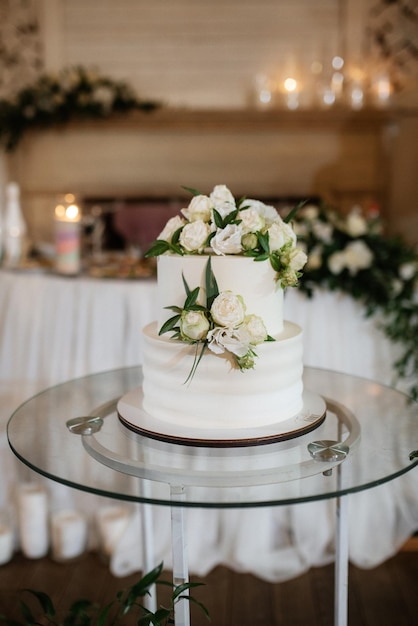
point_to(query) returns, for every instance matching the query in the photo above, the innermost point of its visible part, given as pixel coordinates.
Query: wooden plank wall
(201, 52)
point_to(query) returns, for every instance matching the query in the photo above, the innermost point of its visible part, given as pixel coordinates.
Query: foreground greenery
(128, 602)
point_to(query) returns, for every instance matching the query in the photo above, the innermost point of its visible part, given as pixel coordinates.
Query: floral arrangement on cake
(218, 224)
(350, 253)
(221, 324)
(74, 93)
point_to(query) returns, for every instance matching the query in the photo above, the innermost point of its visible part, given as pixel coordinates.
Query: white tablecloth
(53, 329)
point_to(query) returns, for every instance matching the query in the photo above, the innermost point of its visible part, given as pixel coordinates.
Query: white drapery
(53, 329)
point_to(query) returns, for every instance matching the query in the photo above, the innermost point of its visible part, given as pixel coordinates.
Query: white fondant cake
(220, 355)
(219, 394)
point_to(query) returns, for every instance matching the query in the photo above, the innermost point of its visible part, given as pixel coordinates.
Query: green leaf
(289, 217)
(182, 588)
(230, 218)
(196, 361)
(44, 600)
(160, 246)
(176, 235)
(217, 217)
(103, 615)
(262, 257)
(264, 241)
(141, 587)
(212, 289)
(27, 613)
(169, 324)
(275, 262)
(191, 298)
(186, 286)
(194, 192)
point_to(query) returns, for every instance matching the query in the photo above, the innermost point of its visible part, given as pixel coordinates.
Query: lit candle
(33, 520)
(67, 237)
(382, 89)
(112, 522)
(68, 535)
(292, 93)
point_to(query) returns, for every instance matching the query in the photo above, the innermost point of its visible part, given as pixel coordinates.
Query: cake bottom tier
(219, 395)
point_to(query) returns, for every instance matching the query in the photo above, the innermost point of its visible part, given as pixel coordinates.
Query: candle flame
(290, 84)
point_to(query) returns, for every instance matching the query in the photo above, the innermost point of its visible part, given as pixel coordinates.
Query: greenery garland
(74, 93)
(351, 254)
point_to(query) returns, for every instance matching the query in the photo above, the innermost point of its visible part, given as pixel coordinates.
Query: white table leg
(148, 551)
(179, 550)
(341, 557)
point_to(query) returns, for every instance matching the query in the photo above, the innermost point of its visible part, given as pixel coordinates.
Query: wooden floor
(384, 596)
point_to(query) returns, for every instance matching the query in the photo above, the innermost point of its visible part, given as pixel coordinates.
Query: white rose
(228, 339)
(358, 256)
(297, 259)
(200, 208)
(336, 262)
(193, 237)
(255, 329)
(194, 325)
(355, 224)
(251, 221)
(280, 233)
(228, 240)
(267, 212)
(173, 224)
(221, 195)
(228, 310)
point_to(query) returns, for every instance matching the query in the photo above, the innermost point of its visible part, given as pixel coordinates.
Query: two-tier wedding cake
(220, 358)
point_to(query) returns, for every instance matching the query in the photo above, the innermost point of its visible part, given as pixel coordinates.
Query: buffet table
(53, 329)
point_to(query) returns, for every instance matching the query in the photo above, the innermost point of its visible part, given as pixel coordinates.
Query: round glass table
(71, 433)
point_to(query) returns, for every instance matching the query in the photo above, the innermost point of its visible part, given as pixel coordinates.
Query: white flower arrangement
(350, 253)
(73, 93)
(221, 324)
(218, 224)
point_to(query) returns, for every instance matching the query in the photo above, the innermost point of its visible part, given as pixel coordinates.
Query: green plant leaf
(186, 286)
(169, 325)
(197, 359)
(104, 614)
(191, 298)
(212, 289)
(142, 586)
(176, 235)
(217, 218)
(160, 246)
(44, 600)
(289, 217)
(264, 241)
(194, 192)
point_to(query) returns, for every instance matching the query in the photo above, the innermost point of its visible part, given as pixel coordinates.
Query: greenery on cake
(219, 224)
(221, 324)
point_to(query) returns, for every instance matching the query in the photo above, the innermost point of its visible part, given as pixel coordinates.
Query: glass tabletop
(369, 436)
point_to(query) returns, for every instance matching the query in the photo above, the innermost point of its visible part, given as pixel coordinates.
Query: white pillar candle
(68, 535)
(33, 520)
(67, 239)
(112, 521)
(6, 541)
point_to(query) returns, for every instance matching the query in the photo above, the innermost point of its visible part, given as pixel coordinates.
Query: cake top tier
(219, 225)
